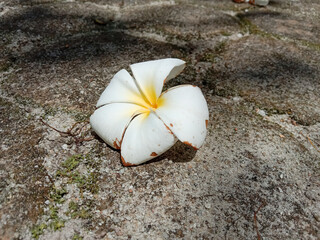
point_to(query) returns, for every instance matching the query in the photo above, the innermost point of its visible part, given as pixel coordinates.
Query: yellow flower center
(150, 98)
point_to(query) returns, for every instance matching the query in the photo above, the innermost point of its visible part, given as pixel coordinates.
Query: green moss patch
(77, 211)
(77, 237)
(57, 195)
(37, 230)
(81, 170)
(85, 181)
(72, 162)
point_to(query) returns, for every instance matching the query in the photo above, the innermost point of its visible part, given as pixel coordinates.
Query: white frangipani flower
(133, 115)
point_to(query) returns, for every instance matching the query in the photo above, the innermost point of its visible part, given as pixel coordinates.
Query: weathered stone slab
(256, 176)
(269, 73)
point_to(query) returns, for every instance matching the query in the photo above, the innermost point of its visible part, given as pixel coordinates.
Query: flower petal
(122, 89)
(145, 138)
(184, 110)
(151, 75)
(111, 120)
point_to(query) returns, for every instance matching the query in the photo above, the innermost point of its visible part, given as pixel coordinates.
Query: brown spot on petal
(124, 163)
(171, 124)
(168, 129)
(153, 154)
(207, 123)
(116, 144)
(186, 142)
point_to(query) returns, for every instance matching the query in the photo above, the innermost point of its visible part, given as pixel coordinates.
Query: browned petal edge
(116, 144)
(165, 80)
(186, 142)
(207, 123)
(168, 129)
(153, 154)
(124, 163)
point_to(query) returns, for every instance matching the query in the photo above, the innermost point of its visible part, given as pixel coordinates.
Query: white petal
(111, 120)
(151, 75)
(145, 138)
(123, 89)
(184, 110)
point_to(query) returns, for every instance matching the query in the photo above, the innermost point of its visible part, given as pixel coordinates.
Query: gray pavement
(257, 175)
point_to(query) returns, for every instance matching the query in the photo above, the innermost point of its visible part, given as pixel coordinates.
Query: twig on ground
(315, 147)
(255, 220)
(80, 140)
(75, 134)
(53, 127)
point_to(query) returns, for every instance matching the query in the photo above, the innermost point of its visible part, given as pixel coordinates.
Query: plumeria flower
(133, 115)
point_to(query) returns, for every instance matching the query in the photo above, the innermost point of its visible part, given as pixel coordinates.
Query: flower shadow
(180, 153)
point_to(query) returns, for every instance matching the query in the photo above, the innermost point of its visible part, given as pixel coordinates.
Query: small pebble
(316, 216)
(261, 112)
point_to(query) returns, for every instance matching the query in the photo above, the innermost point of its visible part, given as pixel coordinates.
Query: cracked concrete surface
(255, 177)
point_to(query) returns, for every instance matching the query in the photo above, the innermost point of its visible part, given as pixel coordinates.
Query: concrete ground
(257, 176)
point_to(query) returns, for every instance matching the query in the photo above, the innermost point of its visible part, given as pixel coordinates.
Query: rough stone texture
(256, 176)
